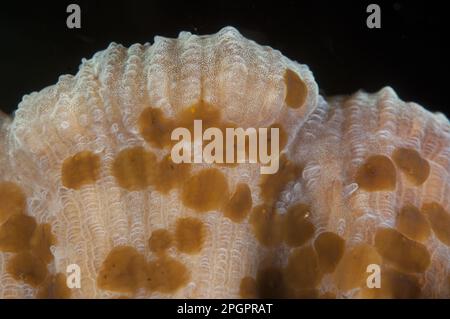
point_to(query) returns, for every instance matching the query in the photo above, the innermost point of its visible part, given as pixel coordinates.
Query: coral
(87, 178)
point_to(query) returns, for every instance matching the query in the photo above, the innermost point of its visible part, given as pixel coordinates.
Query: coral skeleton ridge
(87, 178)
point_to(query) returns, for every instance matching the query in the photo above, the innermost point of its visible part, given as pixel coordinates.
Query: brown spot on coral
(412, 223)
(12, 200)
(170, 174)
(16, 232)
(273, 184)
(160, 240)
(189, 235)
(376, 174)
(308, 293)
(166, 275)
(41, 241)
(207, 190)
(123, 270)
(439, 220)
(270, 283)
(351, 271)
(155, 128)
(394, 285)
(402, 253)
(327, 295)
(207, 113)
(267, 225)
(80, 169)
(55, 287)
(273, 282)
(412, 164)
(296, 90)
(302, 270)
(27, 268)
(134, 168)
(239, 204)
(298, 227)
(248, 288)
(330, 248)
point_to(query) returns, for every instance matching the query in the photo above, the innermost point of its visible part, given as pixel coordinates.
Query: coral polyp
(88, 179)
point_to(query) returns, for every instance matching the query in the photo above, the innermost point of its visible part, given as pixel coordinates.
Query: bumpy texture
(363, 179)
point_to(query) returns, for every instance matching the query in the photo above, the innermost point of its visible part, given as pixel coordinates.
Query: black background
(408, 53)
(167, 308)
